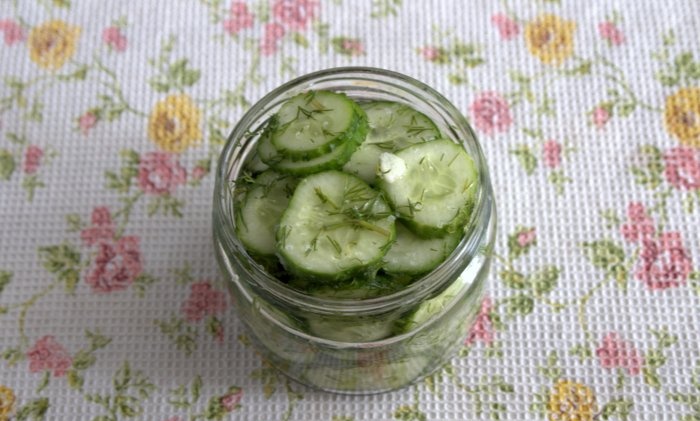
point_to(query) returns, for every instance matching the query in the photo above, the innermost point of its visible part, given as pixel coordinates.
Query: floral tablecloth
(111, 118)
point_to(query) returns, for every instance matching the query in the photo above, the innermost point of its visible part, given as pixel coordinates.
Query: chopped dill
(335, 245)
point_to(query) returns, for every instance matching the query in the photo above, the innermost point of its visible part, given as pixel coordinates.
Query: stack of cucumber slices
(354, 200)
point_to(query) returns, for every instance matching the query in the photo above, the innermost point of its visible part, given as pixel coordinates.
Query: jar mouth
(242, 142)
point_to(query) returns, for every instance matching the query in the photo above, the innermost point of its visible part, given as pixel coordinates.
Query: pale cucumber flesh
(334, 227)
(431, 186)
(392, 126)
(315, 123)
(259, 213)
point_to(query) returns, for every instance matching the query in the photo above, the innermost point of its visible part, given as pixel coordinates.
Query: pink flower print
(198, 173)
(48, 354)
(116, 266)
(551, 152)
(86, 122)
(114, 38)
(32, 159)
(611, 33)
(295, 14)
(240, 18)
(203, 301)
(160, 173)
(352, 47)
(101, 217)
(482, 330)
(526, 237)
(231, 401)
(491, 113)
(601, 116)
(639, 225)
(683, 168)
(12, 31)
(664, 262)
(507, 27)
(102, 228)
(273, 33)
(430, 53)
(615, 352)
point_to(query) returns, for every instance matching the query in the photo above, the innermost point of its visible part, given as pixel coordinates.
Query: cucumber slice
(392, 126)
(330, 161)
(356, 329)
(414, 255)
(431, 186)
(431, 308)
(277, 339)
(334, 227)
(380, 374)
(261, 209)
(360, 287)
(315, 123)
(256, 165)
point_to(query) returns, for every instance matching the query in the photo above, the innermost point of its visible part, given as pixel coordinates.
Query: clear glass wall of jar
(442, 304)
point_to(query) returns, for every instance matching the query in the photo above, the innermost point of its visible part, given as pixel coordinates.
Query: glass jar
(440, 307)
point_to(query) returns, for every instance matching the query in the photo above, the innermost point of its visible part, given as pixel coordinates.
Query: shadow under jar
(278, 317)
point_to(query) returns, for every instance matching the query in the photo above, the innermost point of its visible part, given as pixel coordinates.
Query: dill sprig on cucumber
(353, 200)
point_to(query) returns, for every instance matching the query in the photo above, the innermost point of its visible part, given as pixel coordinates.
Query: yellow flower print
(682, 116)
(53, 43)
(7, 402)
(550, 38)
(174, 123)
(571, 401)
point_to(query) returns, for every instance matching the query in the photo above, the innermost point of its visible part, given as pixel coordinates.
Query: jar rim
(269, 286)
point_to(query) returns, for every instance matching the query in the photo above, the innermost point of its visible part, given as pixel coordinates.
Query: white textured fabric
(589, 117)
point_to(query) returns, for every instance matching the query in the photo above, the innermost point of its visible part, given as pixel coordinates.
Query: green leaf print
(692, 399)
(183, 336)
(63, 261)
(612, 221)
(609, 256)
(409, 413)
(131, 389)
(649, 173)
(34, 410)
(75, 379)
(300, 39)
(268, 377)
(683, 71)
(97, 340)
(655, 358)
(142, 283)
(5, 279)
(83, 360)
(559, 180)
(385, 8)
(526, 158)
(519, 305)
(619, 408)
(175, 75)
(544, 279)
(551, 368)
(179, 397)
(347, 46)
(30, 184)
(513, 279)
(7, 164)
(694, 281)
(217, 407)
